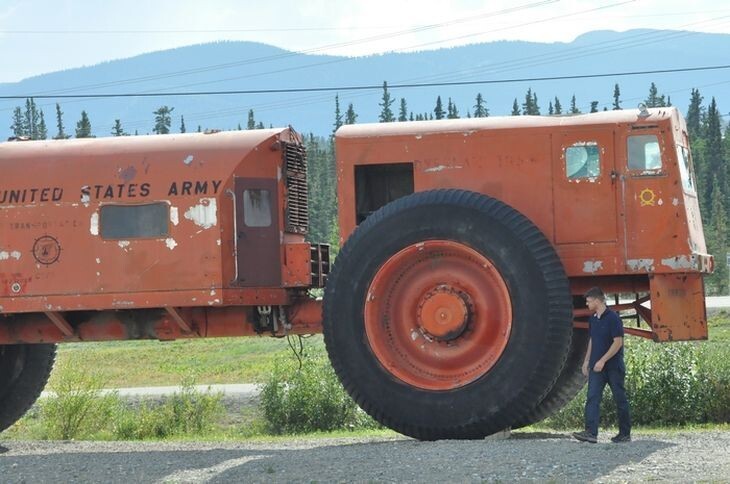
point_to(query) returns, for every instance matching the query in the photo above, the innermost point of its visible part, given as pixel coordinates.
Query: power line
(328, 47)
(371, 86)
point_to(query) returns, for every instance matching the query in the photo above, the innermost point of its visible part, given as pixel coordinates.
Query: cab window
(685, 169)
(643, 153)
(582, 160)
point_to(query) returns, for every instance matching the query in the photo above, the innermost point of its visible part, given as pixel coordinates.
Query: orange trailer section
(614, 192)
(183, 221)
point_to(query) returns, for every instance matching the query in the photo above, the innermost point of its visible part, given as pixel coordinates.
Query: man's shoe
(585, 436)
(621, 438)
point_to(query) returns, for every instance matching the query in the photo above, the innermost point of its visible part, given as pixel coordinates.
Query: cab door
(258, 242)
(585, 187)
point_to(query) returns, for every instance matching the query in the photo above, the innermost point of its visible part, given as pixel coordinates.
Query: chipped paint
(660, 202)
(174, 216)
(212, 292)
(641, 264)
(123, 244)
(98, 261)
(123, 303)
(592, 266)
(15, 255)
(94, 228)
(675, 201)
(680, 262)
(4, 255)
(85, 195)
(442, 167)
(170, 243)
(188, 159)
(204, 214)
(218, 242)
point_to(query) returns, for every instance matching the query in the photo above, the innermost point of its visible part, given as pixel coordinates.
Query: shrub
(309, 399)
(667, 384)
(189, 412)
(77, 407)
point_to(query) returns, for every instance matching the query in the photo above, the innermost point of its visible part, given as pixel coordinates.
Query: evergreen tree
(260, 125)
(42, 128)
(338, 114)
(386, 114)
(558, 107)
(616, 97)
(528, 107)
(594, 106)
(655, 100)
(453, 112)
(350, 116)
(573, 106)
(714, 157)
(535, 106)
(480, 108)
(669, 101)
(60, 134)
(182, 124)
(117, 128)
(718, 241)
(136, 133)
(410, 118)
(551, 111)
(239, 127)
(83, 126)
(403, 112)
(200, 130)
(515, 108)
(30, 119)
(439, 109)
(17, 126)
(251, 121)
(163, 120)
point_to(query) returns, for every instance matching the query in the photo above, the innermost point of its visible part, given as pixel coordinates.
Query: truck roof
(503, 122)
(210, 141)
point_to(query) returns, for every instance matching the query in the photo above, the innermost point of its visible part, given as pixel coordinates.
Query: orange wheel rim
(438, 315)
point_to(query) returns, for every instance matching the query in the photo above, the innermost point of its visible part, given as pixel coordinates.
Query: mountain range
(226, 66)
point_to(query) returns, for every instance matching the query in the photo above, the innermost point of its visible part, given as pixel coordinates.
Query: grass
(218, 360)
(154, 363)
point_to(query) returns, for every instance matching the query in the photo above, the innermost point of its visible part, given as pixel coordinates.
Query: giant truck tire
(24, 371)
(566, 387)
(447, 315)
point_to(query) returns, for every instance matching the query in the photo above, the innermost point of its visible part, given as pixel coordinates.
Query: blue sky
(38, 36)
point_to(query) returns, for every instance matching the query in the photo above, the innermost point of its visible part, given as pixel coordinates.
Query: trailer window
(257, 208)
(134, 221)
(643, 153)
(582, 160)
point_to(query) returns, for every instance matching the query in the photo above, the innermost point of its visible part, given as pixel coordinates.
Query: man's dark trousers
(596, 383)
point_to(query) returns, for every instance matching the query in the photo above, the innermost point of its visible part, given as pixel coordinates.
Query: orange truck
(455, 307)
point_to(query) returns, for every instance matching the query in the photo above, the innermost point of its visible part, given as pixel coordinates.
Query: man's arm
(618, 342)
(586, 359)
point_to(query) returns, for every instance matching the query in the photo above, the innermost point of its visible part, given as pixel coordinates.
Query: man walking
(604, 364)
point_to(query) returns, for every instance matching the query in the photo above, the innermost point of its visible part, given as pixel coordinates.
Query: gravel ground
(525, 456)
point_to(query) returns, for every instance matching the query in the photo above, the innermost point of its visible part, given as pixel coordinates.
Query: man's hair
(596, 293)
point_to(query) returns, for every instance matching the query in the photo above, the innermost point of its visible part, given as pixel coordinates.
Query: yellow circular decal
(647, 197)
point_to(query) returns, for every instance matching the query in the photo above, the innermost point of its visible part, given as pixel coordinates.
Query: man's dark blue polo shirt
(603, 331)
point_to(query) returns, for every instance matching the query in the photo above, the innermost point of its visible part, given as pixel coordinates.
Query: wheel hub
(443, 313)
